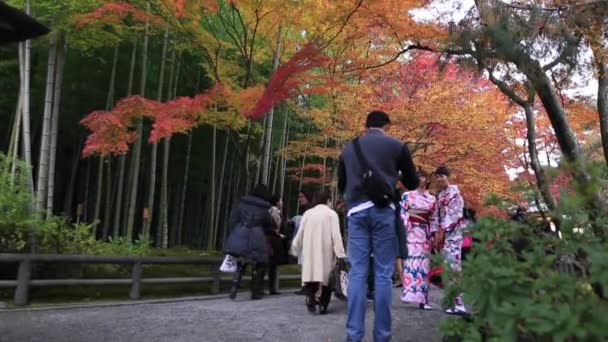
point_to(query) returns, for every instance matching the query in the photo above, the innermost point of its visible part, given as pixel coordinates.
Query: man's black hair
(377, 119)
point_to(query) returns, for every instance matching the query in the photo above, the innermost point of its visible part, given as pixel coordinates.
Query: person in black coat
(250, 222)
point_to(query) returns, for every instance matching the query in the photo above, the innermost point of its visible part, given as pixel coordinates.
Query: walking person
(369, 169)
(320, 239)
(417, 209)
(249, 221)
(277, 255)
(448, 223)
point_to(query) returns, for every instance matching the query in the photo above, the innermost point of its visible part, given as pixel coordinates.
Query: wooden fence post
(23, 283)
(215, 285)
(135, 281)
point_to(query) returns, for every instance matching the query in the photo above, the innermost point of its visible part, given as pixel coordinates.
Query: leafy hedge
(515, 281)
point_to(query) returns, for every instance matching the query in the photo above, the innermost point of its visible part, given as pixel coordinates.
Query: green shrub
(58, 236)
(16, 219)
(516, 289)
(121, 246)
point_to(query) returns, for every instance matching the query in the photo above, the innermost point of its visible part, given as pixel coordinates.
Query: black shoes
(322, 309)
(311, 304)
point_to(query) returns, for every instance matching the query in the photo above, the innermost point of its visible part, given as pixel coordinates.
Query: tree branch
(359, 3)
(505, 89)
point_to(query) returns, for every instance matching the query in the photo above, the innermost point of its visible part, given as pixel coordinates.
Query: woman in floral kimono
(417, 210)
(448, 223)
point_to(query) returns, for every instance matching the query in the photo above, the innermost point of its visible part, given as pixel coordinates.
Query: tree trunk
(541, 180)
(284, 159)
(61, 55)
(227, 206)
(123, 158)
(108, 206)
(602, 105)
(14, 144)
(85, 202)
(301, 179)
(43, 158)
(154, 153)
(324, 173)
(266, 160)
(221, 187)
(27, 146)
(164, 200)
(212, 193)
(258, 168)
(98, 192)
(135, 162)
(180, 225)
(13, 148)
(164, 215)
(177, 73)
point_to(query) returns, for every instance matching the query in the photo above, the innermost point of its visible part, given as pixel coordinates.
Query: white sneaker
(425, 307)
(457, 310)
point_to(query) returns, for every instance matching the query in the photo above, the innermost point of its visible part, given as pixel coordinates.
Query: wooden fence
(24, 274)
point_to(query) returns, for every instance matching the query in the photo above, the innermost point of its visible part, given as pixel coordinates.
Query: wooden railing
(24, 274)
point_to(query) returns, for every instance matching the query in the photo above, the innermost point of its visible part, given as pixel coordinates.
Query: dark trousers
(258, 271)
(272, 277)
(312, 288)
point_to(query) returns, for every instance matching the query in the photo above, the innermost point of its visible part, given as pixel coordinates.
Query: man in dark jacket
(249, 221)
(371, 227)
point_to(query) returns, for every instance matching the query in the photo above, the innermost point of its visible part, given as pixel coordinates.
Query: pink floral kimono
(449, 217)
(417, 210)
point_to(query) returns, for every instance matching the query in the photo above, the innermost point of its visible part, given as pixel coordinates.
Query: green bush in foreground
(516, 289)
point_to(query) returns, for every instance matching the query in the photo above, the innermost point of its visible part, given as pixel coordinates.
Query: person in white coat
(320, 240)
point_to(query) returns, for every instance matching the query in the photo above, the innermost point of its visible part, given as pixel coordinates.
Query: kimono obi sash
(419, 216)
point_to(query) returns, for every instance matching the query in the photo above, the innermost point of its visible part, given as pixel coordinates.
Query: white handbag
(229, 264)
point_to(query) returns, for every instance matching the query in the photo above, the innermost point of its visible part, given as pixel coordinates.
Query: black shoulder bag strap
(357, 144)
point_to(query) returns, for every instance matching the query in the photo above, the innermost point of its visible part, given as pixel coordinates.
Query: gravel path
(278, 318)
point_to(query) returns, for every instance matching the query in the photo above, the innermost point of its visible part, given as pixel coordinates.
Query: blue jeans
(371, 231)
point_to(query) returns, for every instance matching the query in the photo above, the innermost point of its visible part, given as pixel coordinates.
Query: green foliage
(57, 235)
(16, 202)
(122, 246)
(519, 289)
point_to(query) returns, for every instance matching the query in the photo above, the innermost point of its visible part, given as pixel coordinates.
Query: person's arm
(409, 176)
(404, 204)
(336, 237)
(341, 176)
(452, 215)
(276, 218)
(296, 244)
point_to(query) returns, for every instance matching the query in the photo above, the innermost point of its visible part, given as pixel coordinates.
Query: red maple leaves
(112, 132)
(284, 81)
(114, 13)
